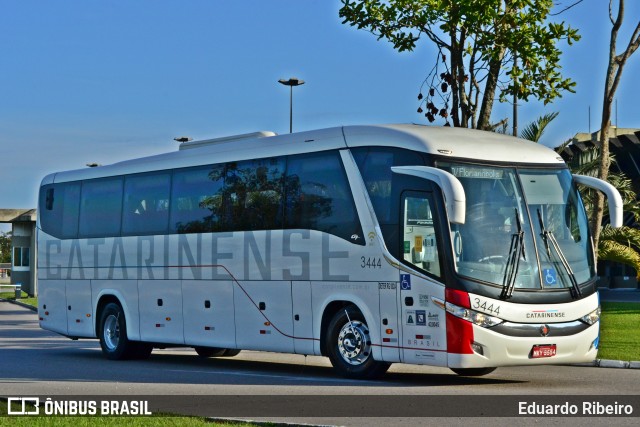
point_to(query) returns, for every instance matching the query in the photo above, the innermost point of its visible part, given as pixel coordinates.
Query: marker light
(592, 317)
(473, 316)
(477, 348)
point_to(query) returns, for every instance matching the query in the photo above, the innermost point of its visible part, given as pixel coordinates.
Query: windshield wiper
(516, 250)
(549, 237)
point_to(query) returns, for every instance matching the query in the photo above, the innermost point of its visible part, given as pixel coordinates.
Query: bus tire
(472, 372)
(207, 352)
(113, 336)
(231, 352)
(349, 346)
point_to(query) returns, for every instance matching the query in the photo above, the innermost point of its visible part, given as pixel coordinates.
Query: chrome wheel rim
(354, 343)
(111, 332)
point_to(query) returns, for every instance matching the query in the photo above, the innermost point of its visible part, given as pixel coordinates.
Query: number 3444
(370, 262)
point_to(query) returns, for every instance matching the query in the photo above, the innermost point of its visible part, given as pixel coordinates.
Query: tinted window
(196, 199)
(237, 196)
(383, 187)
(419, 243)
(253, 194)
(59, 204)
(100, 208)
(375, 167)
(146, 204)
(319, 196)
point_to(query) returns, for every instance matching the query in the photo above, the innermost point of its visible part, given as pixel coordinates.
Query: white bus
(368, 244)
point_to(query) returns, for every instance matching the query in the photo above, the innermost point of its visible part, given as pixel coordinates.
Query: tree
(614, 73)
(534, 130)
(5, 246)
(620, 245)
(477, 42)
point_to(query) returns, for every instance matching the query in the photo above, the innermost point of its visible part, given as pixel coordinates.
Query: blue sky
(106, 80)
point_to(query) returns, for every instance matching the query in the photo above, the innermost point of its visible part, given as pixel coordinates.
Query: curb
(618, 364)
(266, 423)
(21, 304)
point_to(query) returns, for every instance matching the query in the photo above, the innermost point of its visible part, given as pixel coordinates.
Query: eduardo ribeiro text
(566, 408)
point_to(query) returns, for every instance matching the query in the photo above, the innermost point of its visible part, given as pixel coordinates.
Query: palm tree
(622, 244)
(534, 130)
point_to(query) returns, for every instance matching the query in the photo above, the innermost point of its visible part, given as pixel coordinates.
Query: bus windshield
(524, 228)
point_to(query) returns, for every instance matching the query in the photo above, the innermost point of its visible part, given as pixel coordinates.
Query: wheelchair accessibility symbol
(405, 282)
(550, 276)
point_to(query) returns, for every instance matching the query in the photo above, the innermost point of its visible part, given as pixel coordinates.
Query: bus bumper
(491, 349)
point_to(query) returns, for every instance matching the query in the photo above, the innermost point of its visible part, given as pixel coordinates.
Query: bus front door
(423, 323)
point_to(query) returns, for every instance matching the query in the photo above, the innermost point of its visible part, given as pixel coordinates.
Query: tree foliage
(476, 41)
(620, 245)
(534, 130)
(5, 246)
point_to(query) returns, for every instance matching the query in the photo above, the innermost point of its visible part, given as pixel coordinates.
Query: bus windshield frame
(526, 229)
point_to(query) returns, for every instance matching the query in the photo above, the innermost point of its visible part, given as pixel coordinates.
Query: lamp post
(293, 81)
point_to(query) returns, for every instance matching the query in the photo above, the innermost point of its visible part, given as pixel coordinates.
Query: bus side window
(59, 217)
(100, 207)
(253, 194)
(146, 204)
(319, 196)
(196, 199)
(420, 242)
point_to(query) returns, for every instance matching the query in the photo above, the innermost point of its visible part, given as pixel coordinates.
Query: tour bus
(370, 245)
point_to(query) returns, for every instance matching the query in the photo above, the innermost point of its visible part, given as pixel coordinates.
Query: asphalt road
(34, 362)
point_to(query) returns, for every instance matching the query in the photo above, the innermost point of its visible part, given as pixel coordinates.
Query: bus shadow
(279, 373)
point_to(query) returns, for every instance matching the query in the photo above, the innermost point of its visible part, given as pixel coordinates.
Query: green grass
(24, 298)
(620, 331)
(61, 421)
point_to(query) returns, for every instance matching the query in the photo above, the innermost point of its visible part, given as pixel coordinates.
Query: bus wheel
(210, 351)
(349, 346)
(472, 372)
(113, 336)
(230, 352)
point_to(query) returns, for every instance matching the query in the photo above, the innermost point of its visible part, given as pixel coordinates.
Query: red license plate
(539, 351)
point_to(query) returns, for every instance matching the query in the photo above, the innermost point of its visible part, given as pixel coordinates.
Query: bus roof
(457, 143)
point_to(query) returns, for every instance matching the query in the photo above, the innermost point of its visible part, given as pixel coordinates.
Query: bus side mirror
(614, 199)
(451, 187)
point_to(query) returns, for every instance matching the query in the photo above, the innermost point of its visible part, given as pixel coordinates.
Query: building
(624, 145)
(23, 251)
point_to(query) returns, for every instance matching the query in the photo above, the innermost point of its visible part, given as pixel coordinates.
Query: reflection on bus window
(309, 191)
(319, 197)
(420, 242)
(146, 204)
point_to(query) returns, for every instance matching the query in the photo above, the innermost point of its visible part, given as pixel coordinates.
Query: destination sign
(476, 172)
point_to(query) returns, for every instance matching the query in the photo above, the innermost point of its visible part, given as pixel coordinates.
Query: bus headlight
(475, 317)
(592, 317)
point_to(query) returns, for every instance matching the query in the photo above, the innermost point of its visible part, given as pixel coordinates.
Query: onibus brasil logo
(48, 406)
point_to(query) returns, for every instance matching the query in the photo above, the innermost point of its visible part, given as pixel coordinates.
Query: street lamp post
(293, 81)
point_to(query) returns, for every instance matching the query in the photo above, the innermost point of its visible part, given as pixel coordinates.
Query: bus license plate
(539, 351)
